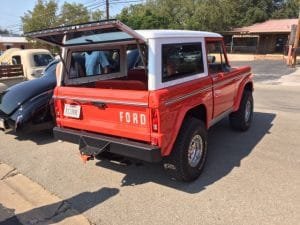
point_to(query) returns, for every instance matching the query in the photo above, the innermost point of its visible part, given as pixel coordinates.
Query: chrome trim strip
(198, 91)
(167, 102)
(231, 79)
(220, 117)
(39, 95)
(83, 100)
(182, 97)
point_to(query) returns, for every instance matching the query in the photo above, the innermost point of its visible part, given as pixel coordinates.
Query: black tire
(178, 164)
(239, 120)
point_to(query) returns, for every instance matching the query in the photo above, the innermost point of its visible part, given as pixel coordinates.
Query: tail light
(56, 108)
(57, 113)
(154, 141)
(155, 120)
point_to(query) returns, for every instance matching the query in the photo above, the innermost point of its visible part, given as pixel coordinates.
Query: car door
(224, 84)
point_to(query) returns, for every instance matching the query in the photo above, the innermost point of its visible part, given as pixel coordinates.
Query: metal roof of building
(8, 39)
(269, 26)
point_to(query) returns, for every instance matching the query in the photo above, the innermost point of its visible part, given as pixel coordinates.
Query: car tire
(241, 120)
(186, 161)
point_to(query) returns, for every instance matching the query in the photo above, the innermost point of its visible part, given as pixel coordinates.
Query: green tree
(214, 15)
(97, 15)
(45, 15)
(42, 16)
(248, 12)
(179, 14)
(288, 9)
(4, 31)
(142, 17)
(72, 13)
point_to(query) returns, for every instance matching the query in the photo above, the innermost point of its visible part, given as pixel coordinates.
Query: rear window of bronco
(94, 63)
(107, 68)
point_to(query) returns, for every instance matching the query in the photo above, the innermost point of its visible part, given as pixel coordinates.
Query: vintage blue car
(27, 106)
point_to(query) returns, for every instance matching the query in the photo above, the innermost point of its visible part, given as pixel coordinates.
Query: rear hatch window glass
(93, 63)
(89, 33)
(87, 66)
(95, 36)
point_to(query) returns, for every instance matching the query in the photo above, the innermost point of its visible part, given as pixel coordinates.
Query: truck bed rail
(11, 70)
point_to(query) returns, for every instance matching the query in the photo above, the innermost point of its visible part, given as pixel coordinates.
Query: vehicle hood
(13, 97)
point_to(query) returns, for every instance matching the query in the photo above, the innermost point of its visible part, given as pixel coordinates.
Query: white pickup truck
(17, 65)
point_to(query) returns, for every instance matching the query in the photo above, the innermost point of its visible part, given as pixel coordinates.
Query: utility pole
(296, 42)
(107, 9)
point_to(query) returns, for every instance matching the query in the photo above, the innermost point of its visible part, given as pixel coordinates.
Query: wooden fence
(11, 70)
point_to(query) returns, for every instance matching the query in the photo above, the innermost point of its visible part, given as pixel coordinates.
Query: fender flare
(182, 114)
(247, 83)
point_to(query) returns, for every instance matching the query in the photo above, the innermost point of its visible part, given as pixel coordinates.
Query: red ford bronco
(146, 94)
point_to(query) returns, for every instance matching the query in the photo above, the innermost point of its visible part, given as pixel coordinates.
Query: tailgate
(121, 113)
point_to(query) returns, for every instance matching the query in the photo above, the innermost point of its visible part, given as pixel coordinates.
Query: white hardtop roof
(151, 34)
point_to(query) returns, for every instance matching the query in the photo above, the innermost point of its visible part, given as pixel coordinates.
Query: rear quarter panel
(173, 103)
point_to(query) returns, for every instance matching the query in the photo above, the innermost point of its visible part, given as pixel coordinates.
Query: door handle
(220, 75)
(100, 105)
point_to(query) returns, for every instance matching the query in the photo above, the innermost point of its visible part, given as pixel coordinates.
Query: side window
(181, 60)
(16, 60)
(216, 58)
(42, 59)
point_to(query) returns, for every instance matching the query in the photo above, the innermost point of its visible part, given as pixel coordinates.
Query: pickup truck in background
(159, 110)
(17, 65)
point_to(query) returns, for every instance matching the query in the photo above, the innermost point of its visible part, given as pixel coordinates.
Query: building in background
(261, 38)
(7, 42)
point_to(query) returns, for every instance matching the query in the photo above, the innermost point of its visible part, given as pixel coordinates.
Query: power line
(110, 2)
(49, 13)
(90, 5)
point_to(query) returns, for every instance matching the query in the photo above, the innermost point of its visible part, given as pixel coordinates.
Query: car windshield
(42, 59)
(50, 69)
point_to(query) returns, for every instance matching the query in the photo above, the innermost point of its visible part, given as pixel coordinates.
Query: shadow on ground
(226, 149)
(8, 213)
(61, 210)
(40, 138)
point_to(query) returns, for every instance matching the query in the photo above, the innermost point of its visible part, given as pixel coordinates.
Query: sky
(12, 10)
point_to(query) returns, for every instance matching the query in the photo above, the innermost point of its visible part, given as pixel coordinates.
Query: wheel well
(198, 112)
(249, 87)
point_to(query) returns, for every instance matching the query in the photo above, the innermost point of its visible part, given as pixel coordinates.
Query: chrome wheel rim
(248, 111)
(195, 151)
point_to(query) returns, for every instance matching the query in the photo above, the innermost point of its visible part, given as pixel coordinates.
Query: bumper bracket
(91, 144)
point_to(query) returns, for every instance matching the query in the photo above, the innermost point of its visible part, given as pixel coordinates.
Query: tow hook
(88, 151)
(86, 158)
